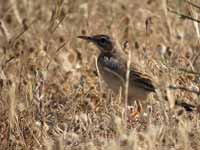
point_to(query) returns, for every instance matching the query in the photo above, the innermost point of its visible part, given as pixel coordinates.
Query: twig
(57, 25)
(193, 4)
(12, 40)
(127, 86)
(183, 15)
(4, 30)
(57, 51)
(196, 58)
(184, 89)
(60, 47)
(189, 71)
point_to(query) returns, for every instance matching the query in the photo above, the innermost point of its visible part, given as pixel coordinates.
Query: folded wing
(118, 67)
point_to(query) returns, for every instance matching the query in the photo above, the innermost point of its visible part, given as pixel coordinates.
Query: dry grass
(52, 97)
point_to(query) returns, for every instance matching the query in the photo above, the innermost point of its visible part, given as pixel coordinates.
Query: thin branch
(172, 87)
(189, 71)
(183, 15)
(193, 4)
(196, 58)
(12, 40)
(60, 47)
(127, 86)
(57, 25)
(56, 52)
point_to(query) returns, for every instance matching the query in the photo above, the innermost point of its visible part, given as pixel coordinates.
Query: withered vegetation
(51, 96)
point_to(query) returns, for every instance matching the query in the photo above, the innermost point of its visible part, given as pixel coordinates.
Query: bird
(112, 66)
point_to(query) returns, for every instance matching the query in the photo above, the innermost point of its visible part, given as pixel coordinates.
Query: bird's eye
(103, 40)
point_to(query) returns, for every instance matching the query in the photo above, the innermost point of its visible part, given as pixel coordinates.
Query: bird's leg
(136, 113)
(139, 106)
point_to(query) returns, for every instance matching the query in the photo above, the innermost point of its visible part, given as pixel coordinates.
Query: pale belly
(114, 82)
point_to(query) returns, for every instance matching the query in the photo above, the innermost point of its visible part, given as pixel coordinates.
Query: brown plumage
(112, 65)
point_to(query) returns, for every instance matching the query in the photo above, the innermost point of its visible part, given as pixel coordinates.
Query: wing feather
(118, 67)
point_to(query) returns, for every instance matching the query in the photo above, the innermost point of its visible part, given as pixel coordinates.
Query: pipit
(112, 65)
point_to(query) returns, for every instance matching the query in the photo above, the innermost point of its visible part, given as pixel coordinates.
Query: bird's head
(103, 42)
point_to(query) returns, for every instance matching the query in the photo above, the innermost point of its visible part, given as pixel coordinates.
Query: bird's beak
(87, 38)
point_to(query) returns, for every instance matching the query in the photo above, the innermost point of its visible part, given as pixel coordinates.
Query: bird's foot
(134, 114)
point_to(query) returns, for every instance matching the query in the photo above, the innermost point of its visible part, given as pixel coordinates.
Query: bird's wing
(118, 67)
(141, 80)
